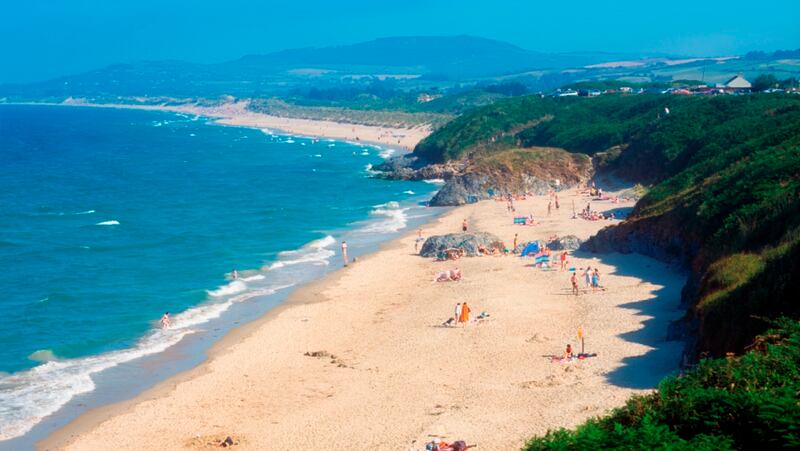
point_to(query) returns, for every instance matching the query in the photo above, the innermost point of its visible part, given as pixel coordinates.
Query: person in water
(235, 274)
(344, 253)
(165, 321)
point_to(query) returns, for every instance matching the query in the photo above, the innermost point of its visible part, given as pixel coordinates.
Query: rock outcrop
(469, 242)
(565, 243)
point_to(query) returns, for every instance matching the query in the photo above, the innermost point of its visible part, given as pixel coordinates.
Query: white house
(737, 82)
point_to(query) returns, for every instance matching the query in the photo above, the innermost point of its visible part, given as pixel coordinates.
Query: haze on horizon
(50, 38)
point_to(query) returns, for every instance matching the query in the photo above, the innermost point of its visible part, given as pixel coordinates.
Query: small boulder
(565, 243)
(469, 242)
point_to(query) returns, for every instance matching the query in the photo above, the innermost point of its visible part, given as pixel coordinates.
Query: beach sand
(237, 114)
(393, 378)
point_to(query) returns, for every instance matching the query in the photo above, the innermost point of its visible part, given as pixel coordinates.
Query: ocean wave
(409, 192)
(316, 252)
(237, 286)
(387, 153)
(87, 212)
(267, 132)
(108, 223)
(394, 220)
(434, 181)
(29, 396)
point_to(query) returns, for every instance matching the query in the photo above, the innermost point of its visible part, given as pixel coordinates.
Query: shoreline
(237, 115)
(258, 371)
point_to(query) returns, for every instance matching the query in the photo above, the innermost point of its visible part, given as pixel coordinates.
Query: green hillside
(724, 199)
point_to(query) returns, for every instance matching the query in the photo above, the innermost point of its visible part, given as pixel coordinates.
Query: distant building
(737, 82)
(425, 98)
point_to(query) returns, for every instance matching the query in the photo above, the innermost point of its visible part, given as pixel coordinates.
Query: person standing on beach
(564, 260)
(595, 280)
(344, 252)
(514, 249)
(165, 321)
(457, 316)
(464, 225)
(464, 316)
(587, 277)
(549, 207)
(574, 280)
(556, 197)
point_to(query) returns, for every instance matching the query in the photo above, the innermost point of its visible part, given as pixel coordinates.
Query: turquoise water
(109, 218)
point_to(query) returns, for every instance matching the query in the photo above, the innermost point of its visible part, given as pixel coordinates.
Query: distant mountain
(441, 58)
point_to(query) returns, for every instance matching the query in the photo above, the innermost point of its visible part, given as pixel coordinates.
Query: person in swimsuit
(595, 280)
(568, 353)
(344, 252)
(574, 280)
(564, 260)
(165, 321)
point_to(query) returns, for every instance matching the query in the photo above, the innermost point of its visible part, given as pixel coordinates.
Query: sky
(42, 39)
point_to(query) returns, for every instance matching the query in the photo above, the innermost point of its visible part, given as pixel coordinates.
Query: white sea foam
(365, 153)
(387, 153)
(434, 181)
(237, 286)
(289, 141)
(370, 171)
(87, 212)
(331, 145)
(108, 223)
(409, 192)
(253, 278)
(29, 396)
(392, 220)
(315, 252)
(267, 132)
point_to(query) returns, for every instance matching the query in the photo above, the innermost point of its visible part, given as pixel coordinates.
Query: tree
(764, 81)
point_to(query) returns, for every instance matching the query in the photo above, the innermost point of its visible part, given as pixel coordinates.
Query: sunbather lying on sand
(450, 275)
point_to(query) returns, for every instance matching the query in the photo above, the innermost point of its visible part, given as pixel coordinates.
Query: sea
(111, 217)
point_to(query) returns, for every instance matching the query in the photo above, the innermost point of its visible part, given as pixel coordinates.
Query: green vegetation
(389, 118)
(746, 402)
(724, 198)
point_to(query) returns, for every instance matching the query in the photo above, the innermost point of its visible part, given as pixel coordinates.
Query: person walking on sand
(464, 225)
(574, 280)
(464, 317)
(344, 252)
(165, 321)
(514, 249)
(549, 207)
(595, 280)
(457, 316)
(564, 260)
(587, 277)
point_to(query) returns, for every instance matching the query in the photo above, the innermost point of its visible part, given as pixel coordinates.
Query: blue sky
(40, 39)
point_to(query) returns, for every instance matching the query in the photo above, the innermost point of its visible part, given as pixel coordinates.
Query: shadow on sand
(663, 359)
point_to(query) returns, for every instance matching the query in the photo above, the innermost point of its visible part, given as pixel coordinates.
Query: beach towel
(520, 220)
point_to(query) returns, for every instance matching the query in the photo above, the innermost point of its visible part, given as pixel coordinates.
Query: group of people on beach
(591, 280)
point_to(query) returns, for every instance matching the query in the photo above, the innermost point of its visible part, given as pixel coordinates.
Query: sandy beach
(360, 360)
(237, 114)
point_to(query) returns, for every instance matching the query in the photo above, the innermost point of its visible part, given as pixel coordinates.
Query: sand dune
(387, 375)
